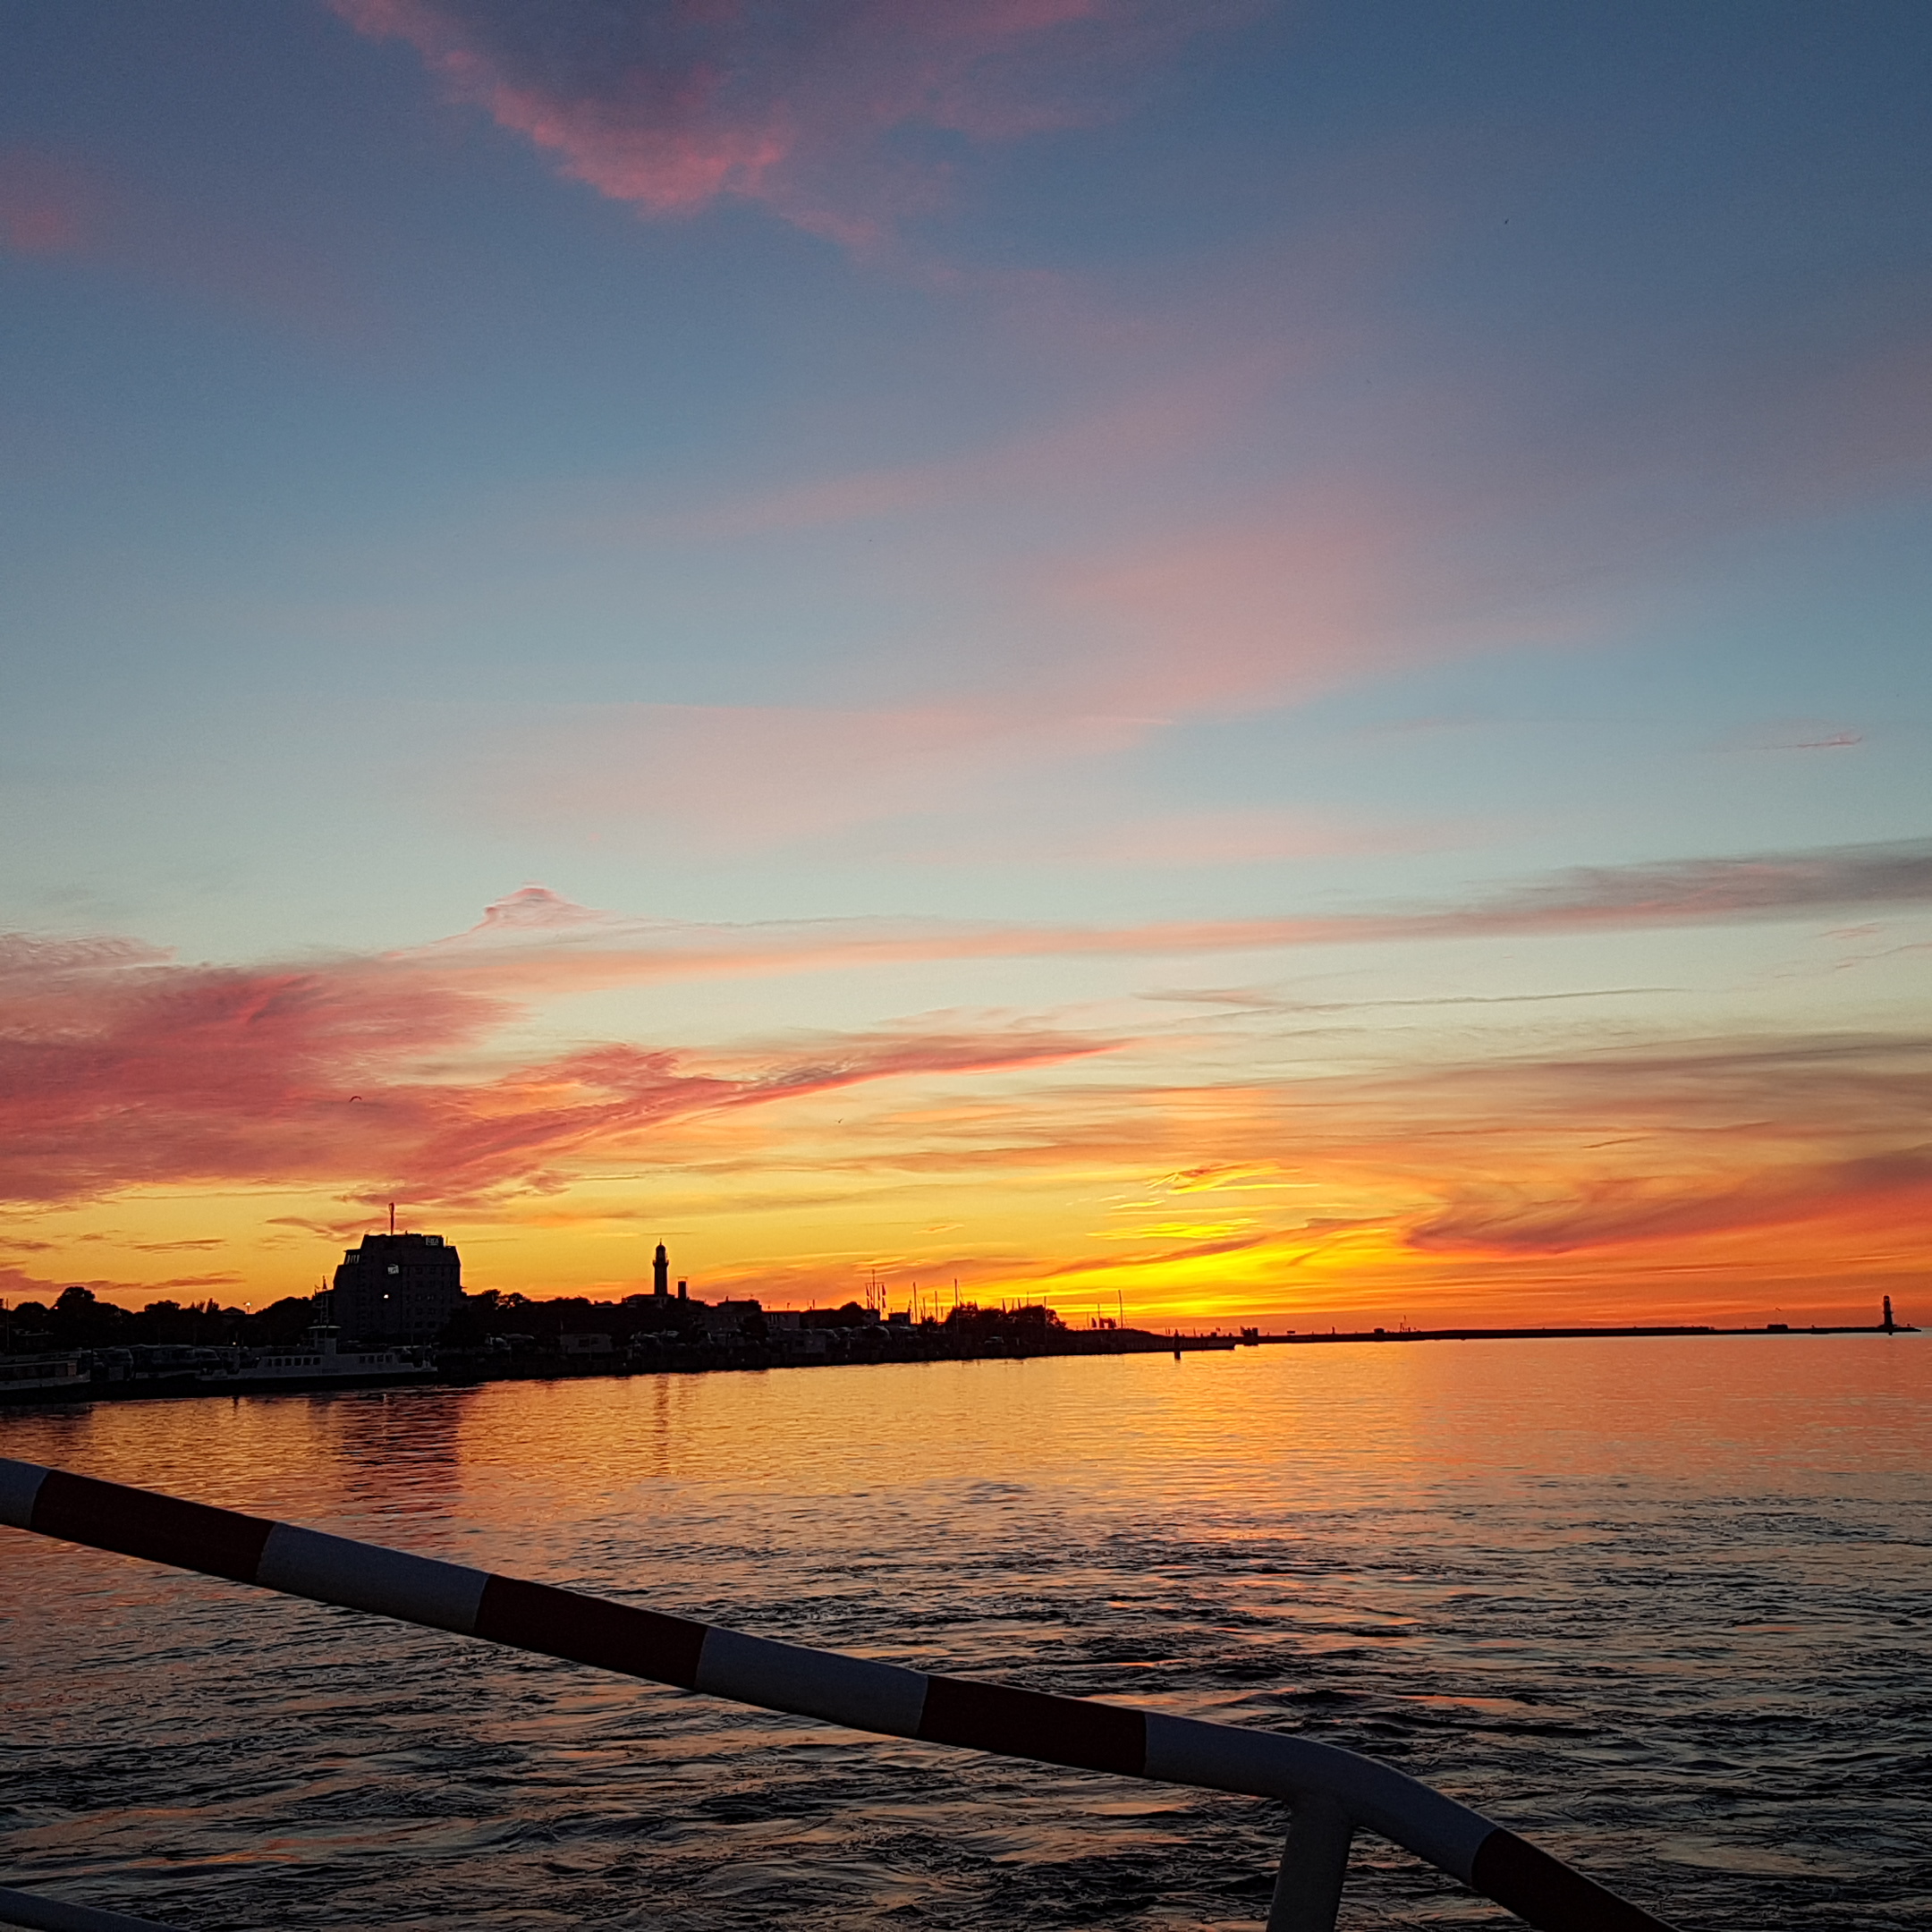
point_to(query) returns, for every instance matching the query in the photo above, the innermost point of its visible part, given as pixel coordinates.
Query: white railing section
(1330, 1792)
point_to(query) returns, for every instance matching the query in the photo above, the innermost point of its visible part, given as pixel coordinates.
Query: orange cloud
(1708, 1181)
(1618, 1212)
(1640, 1148)
(121, 1072)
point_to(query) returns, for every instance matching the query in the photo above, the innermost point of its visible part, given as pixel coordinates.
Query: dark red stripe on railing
(137, 1522)
(585, 1630)
(1535, 1887)
(1030, 1724)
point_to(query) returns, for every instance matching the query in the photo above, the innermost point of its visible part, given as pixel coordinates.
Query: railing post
(1314, 1863)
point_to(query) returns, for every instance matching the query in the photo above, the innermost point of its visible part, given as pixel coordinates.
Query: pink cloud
(56, 205)
(117, 1072)
(1108, 836)
(671, 108)
(48, 206)
(1112, 601)
(116, 1069)
(1312, 586)
(1159, 421)
(1285, 606)
(537, 909)
(728, 777)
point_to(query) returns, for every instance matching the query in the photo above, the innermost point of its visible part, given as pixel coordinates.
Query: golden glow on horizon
(1242, 1161)
(254, 1246)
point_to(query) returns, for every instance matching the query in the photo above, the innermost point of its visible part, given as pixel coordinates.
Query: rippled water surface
(1662, 1606)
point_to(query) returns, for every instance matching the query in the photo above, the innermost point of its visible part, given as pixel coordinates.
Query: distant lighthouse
(1887, 1323)
(660, 1272)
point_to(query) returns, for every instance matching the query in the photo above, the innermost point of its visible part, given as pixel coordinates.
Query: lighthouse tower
(660, 1272)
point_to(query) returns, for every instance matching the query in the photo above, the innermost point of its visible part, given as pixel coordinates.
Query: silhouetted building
(398, 1287)
(849, 1316)
(660, 1272)
(722, 1320)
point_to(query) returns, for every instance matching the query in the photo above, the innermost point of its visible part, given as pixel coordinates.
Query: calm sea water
(1660, 1606)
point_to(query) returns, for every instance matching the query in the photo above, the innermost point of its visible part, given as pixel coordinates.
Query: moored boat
(317, 1361)
(36, 1378)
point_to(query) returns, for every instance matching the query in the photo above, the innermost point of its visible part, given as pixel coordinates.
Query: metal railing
(1330, 1792)
(57, 1915)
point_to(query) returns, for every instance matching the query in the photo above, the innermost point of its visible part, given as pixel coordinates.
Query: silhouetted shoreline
(1577, 1334)
(473, 1369)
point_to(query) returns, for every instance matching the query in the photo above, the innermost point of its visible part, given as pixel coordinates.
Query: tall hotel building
(398, 1288)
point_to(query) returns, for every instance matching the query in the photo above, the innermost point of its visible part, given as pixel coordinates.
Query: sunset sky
(1266, 658)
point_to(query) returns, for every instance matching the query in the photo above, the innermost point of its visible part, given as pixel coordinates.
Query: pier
(1667, 1331)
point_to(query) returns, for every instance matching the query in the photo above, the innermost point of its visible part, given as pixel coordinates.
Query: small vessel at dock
(37, 1378)
(317, 1361)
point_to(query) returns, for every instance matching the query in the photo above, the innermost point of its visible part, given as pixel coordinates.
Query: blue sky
(1031, 464)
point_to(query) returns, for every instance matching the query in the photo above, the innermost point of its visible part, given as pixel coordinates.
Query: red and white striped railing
(57, 1915)
(1330, 1792)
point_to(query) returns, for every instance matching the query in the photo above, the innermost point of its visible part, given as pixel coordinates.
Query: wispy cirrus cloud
(1774, 885)
(118, 1070)
(16, 1285)
(1160, 418)
(1623, 1210)
(1671, 1144)
(797, 773)
(804, 110)
(1711, 1176)
(546, 942)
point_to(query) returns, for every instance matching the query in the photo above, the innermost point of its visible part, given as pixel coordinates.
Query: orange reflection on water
(518, 1465)
(1561, 1579)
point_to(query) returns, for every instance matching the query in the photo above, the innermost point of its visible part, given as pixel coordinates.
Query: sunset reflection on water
(1628, 1595)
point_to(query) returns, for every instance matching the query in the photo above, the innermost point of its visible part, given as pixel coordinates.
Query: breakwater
(1655, 1332)
(87, 1379)
(697, 1353)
